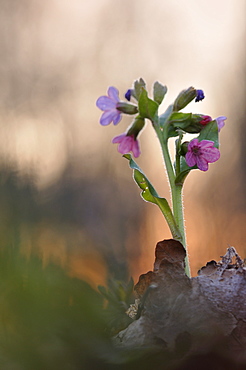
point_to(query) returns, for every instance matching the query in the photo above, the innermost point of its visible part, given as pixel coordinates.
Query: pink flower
(201, 153)
(221, 122)
(108, 104)
(127, 144)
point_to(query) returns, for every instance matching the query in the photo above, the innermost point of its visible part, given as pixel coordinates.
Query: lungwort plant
(197, 153)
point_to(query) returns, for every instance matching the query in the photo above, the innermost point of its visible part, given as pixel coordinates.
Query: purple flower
(201, 153)
(127, 143)
(109, 105)
(221, 122)
(199, 95)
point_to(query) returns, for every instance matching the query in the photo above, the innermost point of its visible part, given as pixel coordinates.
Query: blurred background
(68, 202)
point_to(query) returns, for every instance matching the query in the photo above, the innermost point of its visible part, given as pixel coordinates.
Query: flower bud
(128, 94)
(197, 123)
(159, 92)
(184, 148)
(184, 98)
(138, 86)
(188, 122)
(199, 95)
(205, 120)
(126, 108)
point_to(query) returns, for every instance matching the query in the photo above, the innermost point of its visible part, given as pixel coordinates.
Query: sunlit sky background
(57, 57)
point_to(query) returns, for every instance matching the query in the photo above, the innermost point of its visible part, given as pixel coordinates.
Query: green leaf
(159, 92)
(180, 120)
(147, 107)
(149, 194)
(210, 132)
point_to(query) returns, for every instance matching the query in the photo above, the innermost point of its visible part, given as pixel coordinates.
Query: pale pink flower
(127, 143)
(201, 153)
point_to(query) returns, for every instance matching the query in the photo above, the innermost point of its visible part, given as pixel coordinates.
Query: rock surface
(176, 311)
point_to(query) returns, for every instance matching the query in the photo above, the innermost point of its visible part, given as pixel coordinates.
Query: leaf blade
(149, 194)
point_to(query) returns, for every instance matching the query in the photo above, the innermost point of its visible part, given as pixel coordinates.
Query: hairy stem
(176, 192)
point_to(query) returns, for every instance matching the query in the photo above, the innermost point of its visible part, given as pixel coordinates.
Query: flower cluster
(200, 151)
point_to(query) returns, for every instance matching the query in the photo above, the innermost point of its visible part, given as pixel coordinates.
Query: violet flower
(108, 104)
(127, 143)
(201, 153)
(221, 122)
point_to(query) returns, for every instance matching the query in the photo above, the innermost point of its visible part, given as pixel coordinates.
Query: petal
(118, 139)
(192, 144)
(190, 159)
(206, 144)
(135, 149)
(107, 117)
(105, 103)
(211, 154)
(202, 164)
(221, 122)
(126, 145)
(113, 93)
(117, 117)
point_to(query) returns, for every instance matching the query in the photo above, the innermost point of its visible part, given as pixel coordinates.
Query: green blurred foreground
(51, 321)
(48, 320)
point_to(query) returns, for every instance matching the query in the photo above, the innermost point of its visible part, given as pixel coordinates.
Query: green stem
(177, 162)
(177, 199)
(176, 192)
(166, 156)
